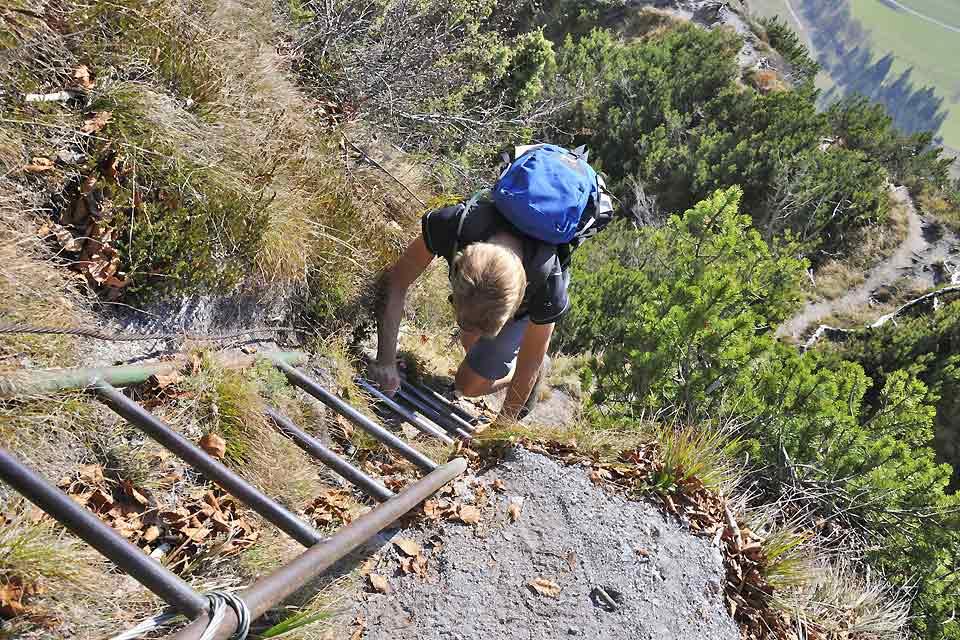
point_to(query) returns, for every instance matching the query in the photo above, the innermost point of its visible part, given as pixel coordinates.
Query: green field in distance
(930, 49)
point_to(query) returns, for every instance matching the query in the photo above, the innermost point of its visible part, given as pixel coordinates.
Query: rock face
(622, 568)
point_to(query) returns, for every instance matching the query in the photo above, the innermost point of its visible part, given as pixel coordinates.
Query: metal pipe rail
(199, 459)
(337, 404)
(271, 590)
(41, 381)
(411, 418)
(460, 411)
(445, 411)
(431, 413)
(88, 527)
(316, 449)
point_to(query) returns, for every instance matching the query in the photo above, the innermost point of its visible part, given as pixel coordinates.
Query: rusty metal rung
(206, 464)
(432, 414)
(316, 449)
(446, 411)
(410, 417)
(340, 406)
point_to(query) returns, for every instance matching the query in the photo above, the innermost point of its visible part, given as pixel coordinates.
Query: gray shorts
(494, 358)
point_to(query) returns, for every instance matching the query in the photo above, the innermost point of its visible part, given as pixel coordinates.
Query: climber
(508, 251)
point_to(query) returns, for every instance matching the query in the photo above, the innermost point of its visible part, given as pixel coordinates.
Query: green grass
(947, 11)
(930, 50)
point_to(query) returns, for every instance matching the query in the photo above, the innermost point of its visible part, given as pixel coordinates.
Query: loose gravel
(624, 569)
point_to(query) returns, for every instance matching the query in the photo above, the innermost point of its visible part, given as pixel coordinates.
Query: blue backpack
(545, 192)
(551, 194)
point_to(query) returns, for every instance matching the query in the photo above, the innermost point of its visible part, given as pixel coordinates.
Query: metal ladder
(425, 409)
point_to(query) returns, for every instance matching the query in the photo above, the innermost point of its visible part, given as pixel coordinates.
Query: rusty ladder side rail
(271, 590)
(151, 574)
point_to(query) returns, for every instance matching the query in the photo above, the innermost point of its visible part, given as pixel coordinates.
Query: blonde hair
(488, 283)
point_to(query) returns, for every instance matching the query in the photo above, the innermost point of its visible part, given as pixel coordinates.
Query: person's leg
(490, 362)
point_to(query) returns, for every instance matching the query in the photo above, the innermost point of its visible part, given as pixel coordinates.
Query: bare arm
(536, 340)
(393, 292)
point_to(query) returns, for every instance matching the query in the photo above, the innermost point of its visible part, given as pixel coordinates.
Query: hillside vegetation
(283, 153)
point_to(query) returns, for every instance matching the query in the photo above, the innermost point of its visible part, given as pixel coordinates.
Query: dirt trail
(925, 246)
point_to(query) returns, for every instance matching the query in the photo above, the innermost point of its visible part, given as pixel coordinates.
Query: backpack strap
(464, 210)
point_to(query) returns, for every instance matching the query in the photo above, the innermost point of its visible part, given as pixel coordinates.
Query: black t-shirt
(545, 299)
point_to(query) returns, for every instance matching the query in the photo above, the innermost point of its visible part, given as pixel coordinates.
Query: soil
(928, 256)
(623, 568)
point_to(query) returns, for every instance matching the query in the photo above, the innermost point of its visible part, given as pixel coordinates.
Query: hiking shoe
(534, 396)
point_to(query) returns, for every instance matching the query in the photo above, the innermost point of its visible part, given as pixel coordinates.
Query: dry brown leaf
(214, 445)
(81, 78)
(498, 485)
(96, 122)
(469, 514)
(165, 380)
(100, 500)
(545, 587)
(346, 427)
(91, 473)
(514, 511)
(416, 565)
(11, 596)
(211, 500)
(379, 583)
(39, 165)
(361, 627)
(151, 534)
(408, 546)
(431, 510)
(139, 497)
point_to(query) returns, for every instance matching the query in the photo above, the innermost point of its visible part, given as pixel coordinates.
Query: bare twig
(367, 158)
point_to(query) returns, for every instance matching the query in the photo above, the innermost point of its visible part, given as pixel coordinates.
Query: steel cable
(12, 329)
(219, 601)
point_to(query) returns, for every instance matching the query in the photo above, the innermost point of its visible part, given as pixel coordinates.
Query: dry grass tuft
(903, 289)
(229, 403)
(34, 290)
(705, 452)
(844, 602)
(565, 374)
(601, 444)
(56, 434)
(57, 570)
(937, 205)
